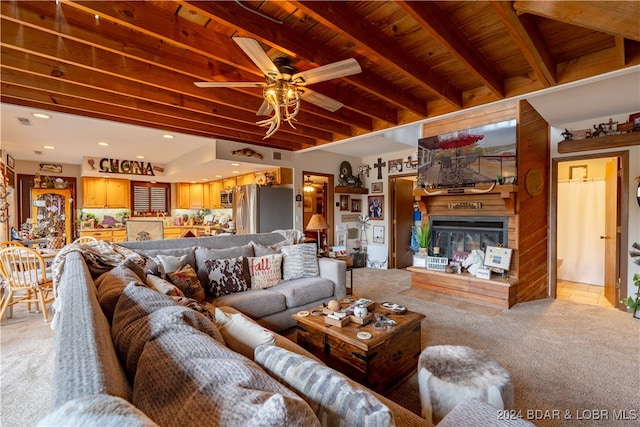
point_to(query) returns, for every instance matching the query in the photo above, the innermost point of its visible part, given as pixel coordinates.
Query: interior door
(611, 233)
(401, 223)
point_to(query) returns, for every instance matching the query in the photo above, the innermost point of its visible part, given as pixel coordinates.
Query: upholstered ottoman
(450, 374)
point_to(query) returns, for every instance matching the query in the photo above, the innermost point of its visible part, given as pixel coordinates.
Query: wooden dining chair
(26, 279)
(85, 239)
(9, 243)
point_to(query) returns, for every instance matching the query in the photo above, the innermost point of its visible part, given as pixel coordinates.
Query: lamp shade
(317, 223)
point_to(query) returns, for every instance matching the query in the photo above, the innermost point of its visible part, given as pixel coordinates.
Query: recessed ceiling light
(235, 171)
(205, 179)
(104, 144)
(139, 157)
(235, 164)
(218, 176)
(41, 115)
(49, 147)
(168, 136)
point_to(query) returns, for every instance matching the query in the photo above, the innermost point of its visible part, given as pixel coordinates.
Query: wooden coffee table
(380, 362)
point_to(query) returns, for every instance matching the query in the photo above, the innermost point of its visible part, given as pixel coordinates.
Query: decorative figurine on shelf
(568, 136)
(37, 181)
(598, 131)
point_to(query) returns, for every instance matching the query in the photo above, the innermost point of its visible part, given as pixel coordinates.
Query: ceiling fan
(285, 86)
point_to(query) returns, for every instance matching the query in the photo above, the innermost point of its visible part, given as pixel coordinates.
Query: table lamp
(317, 223)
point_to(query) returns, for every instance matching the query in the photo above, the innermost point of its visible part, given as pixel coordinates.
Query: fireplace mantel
(506, 193)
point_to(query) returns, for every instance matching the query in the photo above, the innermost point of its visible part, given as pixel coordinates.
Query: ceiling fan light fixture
(308, 185)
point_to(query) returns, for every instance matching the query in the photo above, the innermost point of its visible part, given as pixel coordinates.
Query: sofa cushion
(142, 314)
(255, 303)
(110, 285)
(265, 270)
(152, 255)
(186, 279)
(169, 263)
(241, 334)
(205, 254)
(163, 286)
(299, 292)
(97, 410)
(333, 399)
(225, 276)
(261, 250)
(192, 380)
(299, 261)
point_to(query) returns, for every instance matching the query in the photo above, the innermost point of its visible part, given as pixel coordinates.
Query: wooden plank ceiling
(136, 62)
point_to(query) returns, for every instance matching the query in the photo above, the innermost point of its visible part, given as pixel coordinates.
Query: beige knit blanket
(100, 256)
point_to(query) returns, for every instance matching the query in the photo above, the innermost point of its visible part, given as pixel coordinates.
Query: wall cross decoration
(379, 165)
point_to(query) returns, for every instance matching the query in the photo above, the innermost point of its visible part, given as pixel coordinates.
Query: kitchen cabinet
(191, 196)
(214, 194)
(229, 183)
(106, 193)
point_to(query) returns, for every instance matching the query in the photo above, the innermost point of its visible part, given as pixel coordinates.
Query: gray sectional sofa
(127, 354)
(270, 307)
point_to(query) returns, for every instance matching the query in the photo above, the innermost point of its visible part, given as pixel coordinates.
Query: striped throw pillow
(299, 261)
(331, 396)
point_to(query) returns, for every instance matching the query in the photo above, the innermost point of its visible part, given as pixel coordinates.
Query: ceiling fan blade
(338, 69)
(320, 100)
(259, 57)
(230, 84)
(265, 109)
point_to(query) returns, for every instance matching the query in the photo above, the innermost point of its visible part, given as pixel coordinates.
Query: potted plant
(420, 239)
(633, 302)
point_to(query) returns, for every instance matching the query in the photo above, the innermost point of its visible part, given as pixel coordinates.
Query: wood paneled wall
(529, 215)
(533, 211)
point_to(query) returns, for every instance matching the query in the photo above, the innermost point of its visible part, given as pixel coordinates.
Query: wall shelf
(599, 143)
(351, 190)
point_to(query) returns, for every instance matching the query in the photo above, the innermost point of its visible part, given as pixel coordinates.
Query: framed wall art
(376, 187)
(11, 163)
(356, 205)
(376, 207)
(378, 234)
(344, 202)
(578, 172)
(308, 204)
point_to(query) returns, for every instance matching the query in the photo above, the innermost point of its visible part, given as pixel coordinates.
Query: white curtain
(581, 214)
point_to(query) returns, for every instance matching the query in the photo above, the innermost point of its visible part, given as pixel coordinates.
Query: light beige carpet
(565, 358)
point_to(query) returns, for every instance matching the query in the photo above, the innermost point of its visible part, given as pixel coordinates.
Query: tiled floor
(582, 293)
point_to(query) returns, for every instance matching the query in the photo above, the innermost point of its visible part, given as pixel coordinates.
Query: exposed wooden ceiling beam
(527, 37)
(432, 19)
(342, 20)
(618, 18)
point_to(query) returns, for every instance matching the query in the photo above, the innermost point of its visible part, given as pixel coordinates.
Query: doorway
(401, 209)
(589, 214)
(317, 198)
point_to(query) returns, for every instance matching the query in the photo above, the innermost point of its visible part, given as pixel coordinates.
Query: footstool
(449, 374)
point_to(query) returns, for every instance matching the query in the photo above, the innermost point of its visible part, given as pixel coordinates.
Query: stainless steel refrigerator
(258, 209)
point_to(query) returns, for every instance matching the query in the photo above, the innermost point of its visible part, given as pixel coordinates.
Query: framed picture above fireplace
(469, 157)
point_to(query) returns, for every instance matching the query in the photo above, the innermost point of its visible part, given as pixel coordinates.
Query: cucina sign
(126, 167)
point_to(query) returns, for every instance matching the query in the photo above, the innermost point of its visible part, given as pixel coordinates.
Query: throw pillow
(299, 261)
(169, 263)
(265, 271)
(163, 286)
(261, 250)
(203, 255)
(225, 276)
(335, 401)
(186, 279)
(241, 334)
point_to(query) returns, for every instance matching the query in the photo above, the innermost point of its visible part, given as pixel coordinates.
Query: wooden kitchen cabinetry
(191, 196)
(106, 193)
(110, 235)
